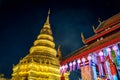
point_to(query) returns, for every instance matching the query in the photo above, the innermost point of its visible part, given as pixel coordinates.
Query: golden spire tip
(47, 20)
(49, 11)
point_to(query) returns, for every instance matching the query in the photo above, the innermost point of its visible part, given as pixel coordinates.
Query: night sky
(22, 20)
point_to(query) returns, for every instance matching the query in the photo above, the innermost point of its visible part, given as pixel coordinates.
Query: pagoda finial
(49, 11)
(93, 28)
(59, 53)
(83, 38)
(47, 21)
(99, 20)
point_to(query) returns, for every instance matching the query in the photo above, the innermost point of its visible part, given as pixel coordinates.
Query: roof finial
(93, 28)
(99, 20)
(59, 53)
(83, 38)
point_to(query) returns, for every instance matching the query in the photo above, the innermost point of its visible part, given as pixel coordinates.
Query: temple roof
(107, 23)
(85, 50)
(109, 35)
(105, 28)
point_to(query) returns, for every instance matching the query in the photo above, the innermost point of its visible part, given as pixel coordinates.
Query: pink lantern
(115, 48)
(66, 66)
(78, 66)
(60, 67)
(74, 63)
(63, 66)
(89, 58)
(70, 64)
(108, 49)
(109, 52)
(101, 53)
(61, 70)
(78, 61)
(83, 60)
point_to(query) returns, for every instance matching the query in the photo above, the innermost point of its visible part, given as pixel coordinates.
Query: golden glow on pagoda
(41, 63)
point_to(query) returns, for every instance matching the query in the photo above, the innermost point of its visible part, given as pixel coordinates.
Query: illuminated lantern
(83, 60)
(70, 64)
(66, 66)
(101, 53)
(101, 56)
(109, 50)
(89, 58)
(74, 63)
(78, 62)
(115, 48)
(63, 69)
(60, 69)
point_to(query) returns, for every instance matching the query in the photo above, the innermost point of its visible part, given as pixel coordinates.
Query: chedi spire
(41, 63)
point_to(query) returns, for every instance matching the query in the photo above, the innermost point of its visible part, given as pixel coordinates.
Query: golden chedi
(41, 63)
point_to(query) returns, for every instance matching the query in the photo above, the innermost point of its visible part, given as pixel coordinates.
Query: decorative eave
(96, 36)
(84, 51)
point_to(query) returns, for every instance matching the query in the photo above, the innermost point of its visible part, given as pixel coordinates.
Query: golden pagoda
(41, 63)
